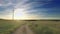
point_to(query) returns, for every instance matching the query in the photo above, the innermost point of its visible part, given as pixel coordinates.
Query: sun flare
(20, 14)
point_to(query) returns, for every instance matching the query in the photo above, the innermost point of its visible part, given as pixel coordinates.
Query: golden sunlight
(20, 14)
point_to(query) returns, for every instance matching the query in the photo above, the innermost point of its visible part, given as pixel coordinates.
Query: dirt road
(24, 29)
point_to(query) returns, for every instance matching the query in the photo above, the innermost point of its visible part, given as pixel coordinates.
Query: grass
(8, 26)
(45, 27)
(38, 27)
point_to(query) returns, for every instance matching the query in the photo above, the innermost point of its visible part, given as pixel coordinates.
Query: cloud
(33, 8)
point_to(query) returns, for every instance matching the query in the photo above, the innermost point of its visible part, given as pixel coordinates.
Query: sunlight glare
(19, 14)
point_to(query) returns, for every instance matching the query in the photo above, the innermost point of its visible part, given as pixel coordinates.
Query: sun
(20, 14)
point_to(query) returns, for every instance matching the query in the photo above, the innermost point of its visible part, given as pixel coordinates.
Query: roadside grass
(9, 26)
(45, 27)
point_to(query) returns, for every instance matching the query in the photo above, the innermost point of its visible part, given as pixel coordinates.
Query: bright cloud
(29, 9)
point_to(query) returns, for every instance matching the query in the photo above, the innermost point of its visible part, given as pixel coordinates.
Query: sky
(30, 9)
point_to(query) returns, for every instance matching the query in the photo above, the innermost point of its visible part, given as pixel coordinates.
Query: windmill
(13, 14)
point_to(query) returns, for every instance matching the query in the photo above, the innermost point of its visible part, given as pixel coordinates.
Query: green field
(8, 26)
(38, 27)
(45, 27)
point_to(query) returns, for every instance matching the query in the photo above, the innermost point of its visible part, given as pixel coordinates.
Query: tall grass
(45, 27)
(8, 26)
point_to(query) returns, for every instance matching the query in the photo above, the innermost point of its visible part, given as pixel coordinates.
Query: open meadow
(8, 26)
(45, 26)
(38, 27)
